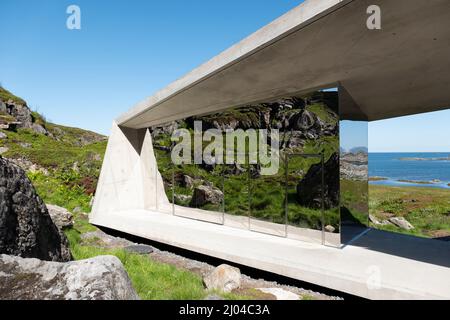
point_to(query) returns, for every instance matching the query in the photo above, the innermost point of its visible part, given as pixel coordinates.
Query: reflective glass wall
(271, 167)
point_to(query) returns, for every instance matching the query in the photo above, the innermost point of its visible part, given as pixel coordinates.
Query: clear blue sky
(127, 50)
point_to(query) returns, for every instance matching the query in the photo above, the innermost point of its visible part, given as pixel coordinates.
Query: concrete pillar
(129, 177)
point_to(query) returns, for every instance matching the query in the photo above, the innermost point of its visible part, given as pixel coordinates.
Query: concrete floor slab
(378, 265)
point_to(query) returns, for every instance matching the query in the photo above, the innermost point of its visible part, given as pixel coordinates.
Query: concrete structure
(399, 70)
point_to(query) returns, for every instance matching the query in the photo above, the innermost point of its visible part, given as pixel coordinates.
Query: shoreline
(388, 182)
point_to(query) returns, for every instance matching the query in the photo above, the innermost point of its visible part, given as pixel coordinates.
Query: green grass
(323, 113)
(151, 280)
(427, 209)
(5, 95)
(51, 153)
(55, 191)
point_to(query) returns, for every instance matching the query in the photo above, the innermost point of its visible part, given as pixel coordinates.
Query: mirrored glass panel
(354, 178)
(269, 167)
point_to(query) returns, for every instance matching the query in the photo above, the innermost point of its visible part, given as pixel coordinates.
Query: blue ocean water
(390, 166)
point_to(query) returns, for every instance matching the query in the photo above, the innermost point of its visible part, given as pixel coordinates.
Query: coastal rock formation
(309, 188)
(26, 228)
(224, 278)
(99, 278)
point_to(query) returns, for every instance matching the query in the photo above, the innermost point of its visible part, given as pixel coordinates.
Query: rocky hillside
(62, 162)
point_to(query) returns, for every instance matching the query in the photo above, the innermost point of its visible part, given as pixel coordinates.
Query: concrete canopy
(399, 70)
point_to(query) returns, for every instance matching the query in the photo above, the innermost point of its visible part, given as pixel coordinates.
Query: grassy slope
(5, 95)
(427, 209)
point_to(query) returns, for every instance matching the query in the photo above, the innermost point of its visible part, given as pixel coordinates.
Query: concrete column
(129, 178)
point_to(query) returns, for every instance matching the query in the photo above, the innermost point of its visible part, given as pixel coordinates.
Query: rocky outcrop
(206, 194)
(99, 278)
(309, 192)
(354, 166)
(20, 116)
(224, 278)
(26, 228)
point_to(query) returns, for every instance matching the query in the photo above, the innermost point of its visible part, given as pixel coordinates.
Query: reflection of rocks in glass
(354, 166)
(309, 192)
(307, 124)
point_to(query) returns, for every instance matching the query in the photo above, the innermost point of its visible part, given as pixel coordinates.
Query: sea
(413, 167)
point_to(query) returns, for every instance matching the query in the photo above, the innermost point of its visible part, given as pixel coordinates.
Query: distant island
(425, 159)
(355, 150)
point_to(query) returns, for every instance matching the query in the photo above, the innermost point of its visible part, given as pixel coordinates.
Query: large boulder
(224, 278)
(26, 228)
(99, 278)
(206, 194)
(309, 191)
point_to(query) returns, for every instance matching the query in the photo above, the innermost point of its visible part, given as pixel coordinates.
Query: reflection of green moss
(323, 113)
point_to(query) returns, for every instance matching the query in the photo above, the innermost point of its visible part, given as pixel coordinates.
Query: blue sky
(127, 50)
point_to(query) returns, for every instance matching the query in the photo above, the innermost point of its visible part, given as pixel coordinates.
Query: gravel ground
(99, 238)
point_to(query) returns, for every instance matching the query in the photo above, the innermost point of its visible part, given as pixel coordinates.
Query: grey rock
(99, 278)
(3, 135)
(330, 228)
(61, 217)
(39, 129)
(224, 278)
(21, 113)
(3, 149)
(26, 228)
(206, 194)
(401, 223)
(139, 249)
(354, 166)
